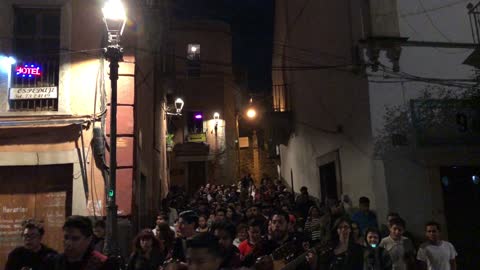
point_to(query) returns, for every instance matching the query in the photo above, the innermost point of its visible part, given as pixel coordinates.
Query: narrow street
(239, 135)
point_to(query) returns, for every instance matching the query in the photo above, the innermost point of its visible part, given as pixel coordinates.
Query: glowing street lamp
(179, 105)
(114, 17)
(216, 116)
(6, 63)
(251, 113)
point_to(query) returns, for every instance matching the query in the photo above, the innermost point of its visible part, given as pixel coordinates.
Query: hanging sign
(28, 71)
(197, 137)
(33, 93)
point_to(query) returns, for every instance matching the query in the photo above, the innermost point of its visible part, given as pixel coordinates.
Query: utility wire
(426, 13)
(413, 13)
(422, 38)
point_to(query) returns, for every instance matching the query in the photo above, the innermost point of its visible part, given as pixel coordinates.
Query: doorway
(197, 175)
(461, 193)
(328, 182)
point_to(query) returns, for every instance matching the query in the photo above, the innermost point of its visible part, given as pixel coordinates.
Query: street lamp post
(114, 18)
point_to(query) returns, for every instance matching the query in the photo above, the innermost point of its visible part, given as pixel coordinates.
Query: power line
(413, 13)
(298, 16)
(423, 38)
(310, 51)
(426, 13)
(459, 83)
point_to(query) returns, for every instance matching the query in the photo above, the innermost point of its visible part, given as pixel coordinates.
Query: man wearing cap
(187, 224)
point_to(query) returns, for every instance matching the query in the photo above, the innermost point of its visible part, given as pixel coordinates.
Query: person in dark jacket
(79, 253)
(225, 232)
(188, 223)
(33, 254)
(99, 235)
(375, 257)
(146, 254)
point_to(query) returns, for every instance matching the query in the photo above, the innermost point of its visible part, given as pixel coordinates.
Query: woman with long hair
(231, 215)
(344, 253)
(146, 253)
(313, 224)
(166, 240)
(357, 235)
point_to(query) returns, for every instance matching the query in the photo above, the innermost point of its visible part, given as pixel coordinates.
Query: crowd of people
(245, 226)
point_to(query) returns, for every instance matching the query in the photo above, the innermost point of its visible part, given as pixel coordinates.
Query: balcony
(280, 120)
(281, 98)
(474, 15)
(34, 85)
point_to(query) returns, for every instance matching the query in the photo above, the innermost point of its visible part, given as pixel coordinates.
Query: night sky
(252, 24)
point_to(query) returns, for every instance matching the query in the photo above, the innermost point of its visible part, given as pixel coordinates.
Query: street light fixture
(114, 17)
(251, 113)
(216, 116)
(6, 63)
(179, 105)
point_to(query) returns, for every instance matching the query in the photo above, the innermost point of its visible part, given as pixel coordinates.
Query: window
(281, 98)
(193, 60)
(195, 122)
(36, 46)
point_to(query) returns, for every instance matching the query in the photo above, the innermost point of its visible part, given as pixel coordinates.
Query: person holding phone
(375, 257)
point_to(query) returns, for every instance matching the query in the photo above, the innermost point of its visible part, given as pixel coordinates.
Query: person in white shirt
(400, 248)
(436, 254)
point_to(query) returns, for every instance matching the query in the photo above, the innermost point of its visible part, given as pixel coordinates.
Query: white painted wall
(320, 34)
(411, 183)
(324, 100)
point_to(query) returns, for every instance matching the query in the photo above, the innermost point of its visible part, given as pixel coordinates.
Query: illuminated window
(193, 60)
(281, 98)
(34, 85)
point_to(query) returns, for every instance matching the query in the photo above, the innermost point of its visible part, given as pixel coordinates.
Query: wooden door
(33, 192)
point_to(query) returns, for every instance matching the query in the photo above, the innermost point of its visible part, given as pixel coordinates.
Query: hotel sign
(33, 93)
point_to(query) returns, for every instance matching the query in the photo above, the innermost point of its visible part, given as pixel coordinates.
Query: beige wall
(413, 171)
(215, 42)
(330, 106)
(384, 18)
(68, 149)
(81, 29)
(213, 91)
(82, 76)
(150, 163)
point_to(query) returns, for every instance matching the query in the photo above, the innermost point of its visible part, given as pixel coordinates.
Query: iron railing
(47, 75)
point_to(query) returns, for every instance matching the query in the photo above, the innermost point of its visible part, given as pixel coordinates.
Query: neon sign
(28, 71)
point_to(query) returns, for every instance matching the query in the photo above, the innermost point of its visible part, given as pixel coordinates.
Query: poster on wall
(14, 209)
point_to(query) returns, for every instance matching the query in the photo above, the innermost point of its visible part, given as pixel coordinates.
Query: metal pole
(237, 135)
(113, 54)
